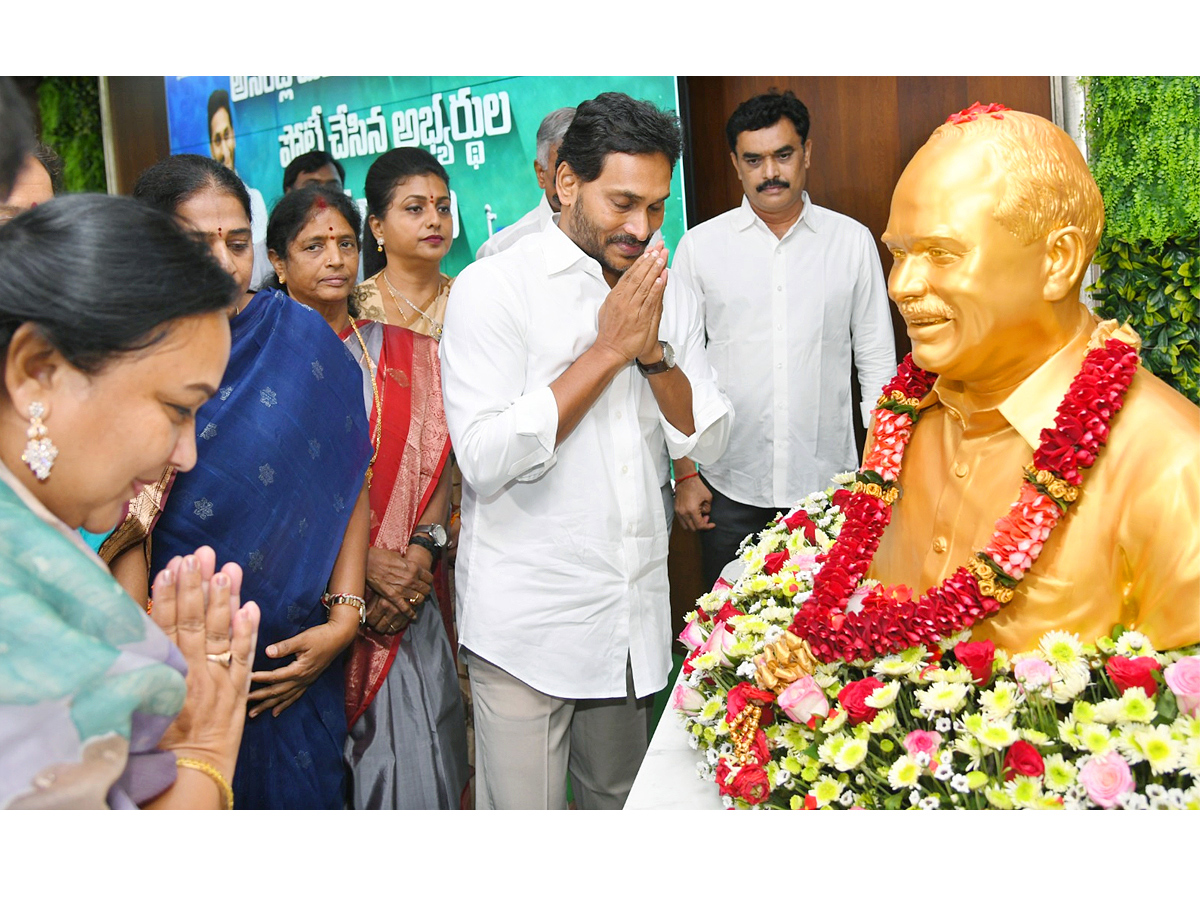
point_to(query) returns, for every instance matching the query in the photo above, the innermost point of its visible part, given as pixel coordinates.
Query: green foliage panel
(1144, 150)
(69, 107)
(1157, 289)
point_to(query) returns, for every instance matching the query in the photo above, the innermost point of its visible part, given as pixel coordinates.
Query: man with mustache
(790, 291)
(992, 227)
(573, 367)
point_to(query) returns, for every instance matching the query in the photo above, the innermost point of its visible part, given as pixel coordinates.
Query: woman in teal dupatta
(105, 364)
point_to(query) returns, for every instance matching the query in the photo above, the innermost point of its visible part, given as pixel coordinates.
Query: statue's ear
(1066, 259)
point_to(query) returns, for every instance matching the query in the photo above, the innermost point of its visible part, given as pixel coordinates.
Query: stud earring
(40, 451)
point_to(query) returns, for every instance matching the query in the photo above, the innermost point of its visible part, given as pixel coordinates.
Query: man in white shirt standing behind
(572, 365)
(788, 291)
(549, 137)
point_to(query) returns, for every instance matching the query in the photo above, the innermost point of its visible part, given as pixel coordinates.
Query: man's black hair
(764, 111)
(616, 123)
(218, 99)
(310, 162)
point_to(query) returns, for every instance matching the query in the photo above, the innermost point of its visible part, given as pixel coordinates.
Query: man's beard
(590, 240)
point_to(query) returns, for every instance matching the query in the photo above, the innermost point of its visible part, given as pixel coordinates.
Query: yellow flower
(903, 773)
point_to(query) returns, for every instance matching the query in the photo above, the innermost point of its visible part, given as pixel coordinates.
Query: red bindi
(321, 204)
(218, 231)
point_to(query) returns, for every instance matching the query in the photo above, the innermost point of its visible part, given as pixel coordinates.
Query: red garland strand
(888, 624)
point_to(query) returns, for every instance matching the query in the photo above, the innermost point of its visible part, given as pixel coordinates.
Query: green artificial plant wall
(69, 107)
(1144, 148)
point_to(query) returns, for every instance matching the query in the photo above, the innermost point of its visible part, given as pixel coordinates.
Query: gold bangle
(186, 762)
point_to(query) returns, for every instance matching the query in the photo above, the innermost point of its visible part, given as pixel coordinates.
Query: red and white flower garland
(889, 623)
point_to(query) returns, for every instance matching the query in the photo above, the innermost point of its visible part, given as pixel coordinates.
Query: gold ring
(225, 659)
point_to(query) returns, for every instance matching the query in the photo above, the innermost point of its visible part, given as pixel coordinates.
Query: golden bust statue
(992, 227)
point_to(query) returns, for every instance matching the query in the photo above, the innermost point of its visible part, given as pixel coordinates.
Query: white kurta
(562, 561)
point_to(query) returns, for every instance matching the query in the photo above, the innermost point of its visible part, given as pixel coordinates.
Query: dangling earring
(380, 247)
(40, 452)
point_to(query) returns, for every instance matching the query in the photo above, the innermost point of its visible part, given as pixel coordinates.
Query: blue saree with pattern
(282, 450)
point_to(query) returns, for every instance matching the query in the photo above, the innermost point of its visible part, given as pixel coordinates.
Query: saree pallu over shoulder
(88, 683)
(282, 449)
(413, 450)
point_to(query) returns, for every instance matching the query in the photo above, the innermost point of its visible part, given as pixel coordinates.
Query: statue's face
(970, 292)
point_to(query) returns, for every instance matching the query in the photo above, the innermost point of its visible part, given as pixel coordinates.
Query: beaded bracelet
(330, 600)
(187, 762)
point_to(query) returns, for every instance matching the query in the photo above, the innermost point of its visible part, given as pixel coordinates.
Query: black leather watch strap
(422, 540)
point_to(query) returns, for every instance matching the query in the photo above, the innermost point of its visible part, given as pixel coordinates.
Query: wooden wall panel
(138, 112)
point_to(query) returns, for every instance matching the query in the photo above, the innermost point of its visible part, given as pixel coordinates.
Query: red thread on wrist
(686, 477)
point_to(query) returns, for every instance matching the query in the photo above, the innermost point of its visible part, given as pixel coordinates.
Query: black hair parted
(616, 123)
(387, 173)
(218, 99)
(310, 162)
(133, 272)
(764, 111)
(295, 210)
(173, 181)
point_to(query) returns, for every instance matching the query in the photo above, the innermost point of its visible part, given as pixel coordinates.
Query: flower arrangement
(951, 724)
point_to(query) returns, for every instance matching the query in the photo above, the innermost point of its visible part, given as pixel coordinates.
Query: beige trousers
(527, 741)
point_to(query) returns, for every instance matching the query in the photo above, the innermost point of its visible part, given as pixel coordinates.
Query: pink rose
(926, 742)
(718, 643)
(803, 699)
(687, 699)
(1183, 678)
(1105, 778)
(692, 635)
(1033, 672)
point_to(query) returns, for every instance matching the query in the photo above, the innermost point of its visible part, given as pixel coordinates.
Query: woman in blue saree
(278, 488)
(105, 363)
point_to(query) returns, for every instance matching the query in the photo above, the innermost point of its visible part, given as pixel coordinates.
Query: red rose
(853, 698)
(743, 693)
(759, 747)
(774, 561)
(1135, 672)
(688, 668)
(977, 656)
(722, 775)
(751, 784)
(800, 519)
(728, 611)
(1023, 759)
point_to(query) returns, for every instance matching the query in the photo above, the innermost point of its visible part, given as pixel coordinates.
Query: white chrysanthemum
(943, 725)
(850, 755)
(884, 720)
(1190, 758)
(967, 745)
(848, 798)
(746, 670)
(1001, 700)
(1083, 712)
(944, 772)
(693, 741)
(1061, 649)
(1024, 792)
(1134, 643)
(996, 733)
(1185, 727)
(826, 789)
(1068, 732)
(955, 675)
(1070, 681)
(705, 771)
(1035, 737)
(1151, 744)
(963, 636)
(705, 662)
(943, 697)
(883, 697)
(1060, 773)
(959, 783)
(831, 747)
(835, 721)
(905, 772)
(1135, 706)
(1096, 739)
(899, 664)
(1000, 662)
(929, 803)
(713, 708)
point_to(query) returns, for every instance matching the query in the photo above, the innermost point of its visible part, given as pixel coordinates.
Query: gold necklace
(435, 328)
(375, 394)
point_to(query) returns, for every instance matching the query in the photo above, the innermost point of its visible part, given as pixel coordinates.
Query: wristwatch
(432, 537)
(667, 361)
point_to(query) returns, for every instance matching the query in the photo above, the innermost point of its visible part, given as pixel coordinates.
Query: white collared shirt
(782, 316)
(562, 561)
(531, 223)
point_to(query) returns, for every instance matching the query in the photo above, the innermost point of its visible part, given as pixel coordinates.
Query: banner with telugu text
(483, 130)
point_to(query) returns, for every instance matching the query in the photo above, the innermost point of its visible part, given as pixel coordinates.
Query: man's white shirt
(781, 316)
(532, 222)
(562, 561)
